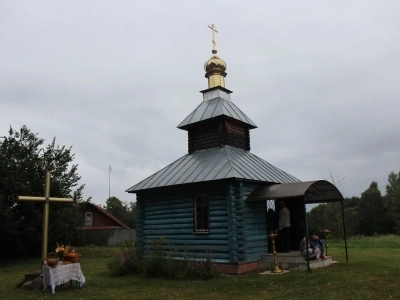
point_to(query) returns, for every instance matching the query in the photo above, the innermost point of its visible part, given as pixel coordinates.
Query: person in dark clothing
(318, 243)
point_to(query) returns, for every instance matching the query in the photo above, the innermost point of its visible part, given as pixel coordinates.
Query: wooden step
(296, 264)
(288, 256)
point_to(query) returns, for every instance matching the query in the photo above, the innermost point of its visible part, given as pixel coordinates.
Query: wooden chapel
(199, 203)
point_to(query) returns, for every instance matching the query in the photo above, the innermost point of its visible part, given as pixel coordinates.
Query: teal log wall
(238, 230)
(167, 213)
(251, 225)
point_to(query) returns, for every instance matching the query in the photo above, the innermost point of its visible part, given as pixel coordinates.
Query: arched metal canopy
(319, 191)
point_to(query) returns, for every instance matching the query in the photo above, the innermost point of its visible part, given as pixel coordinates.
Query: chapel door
(296, 208)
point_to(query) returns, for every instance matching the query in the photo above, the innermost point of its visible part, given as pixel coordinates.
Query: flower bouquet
(60, 251)
(72, 255)
(67, 254)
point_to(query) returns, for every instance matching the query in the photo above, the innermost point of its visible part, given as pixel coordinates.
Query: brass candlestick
(272, 236)
(327, 232)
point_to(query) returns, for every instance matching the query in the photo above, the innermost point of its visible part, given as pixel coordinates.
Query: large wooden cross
(46, 199)
(213, 29)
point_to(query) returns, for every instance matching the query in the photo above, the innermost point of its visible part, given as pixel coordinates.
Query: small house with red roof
(102, 228)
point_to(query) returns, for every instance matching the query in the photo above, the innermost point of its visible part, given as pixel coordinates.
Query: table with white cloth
(61, 274)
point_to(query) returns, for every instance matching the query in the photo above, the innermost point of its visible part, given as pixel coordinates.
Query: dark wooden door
(296, 208)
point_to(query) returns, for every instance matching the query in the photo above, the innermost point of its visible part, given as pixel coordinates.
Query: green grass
(373, 272)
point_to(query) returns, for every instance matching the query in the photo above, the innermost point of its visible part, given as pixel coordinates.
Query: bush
(159, 261)
(202, 269)
(126, 262)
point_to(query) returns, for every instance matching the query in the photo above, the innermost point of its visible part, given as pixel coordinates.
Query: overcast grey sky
(113, 79)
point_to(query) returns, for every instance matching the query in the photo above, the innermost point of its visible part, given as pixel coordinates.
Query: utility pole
(109, 182)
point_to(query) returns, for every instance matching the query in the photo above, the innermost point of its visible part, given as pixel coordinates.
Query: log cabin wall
(218, 132)
(238, 230)
(169, 213)
(251, 223)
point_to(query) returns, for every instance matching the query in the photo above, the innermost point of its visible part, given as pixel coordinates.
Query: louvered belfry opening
(217, 122)
(218, 132)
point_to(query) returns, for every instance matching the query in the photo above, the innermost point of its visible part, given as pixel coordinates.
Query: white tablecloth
(61, 274)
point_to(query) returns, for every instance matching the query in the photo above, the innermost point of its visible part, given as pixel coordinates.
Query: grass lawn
(373, 272)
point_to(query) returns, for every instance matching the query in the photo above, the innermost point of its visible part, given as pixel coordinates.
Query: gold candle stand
(327, 232)
(272, 236)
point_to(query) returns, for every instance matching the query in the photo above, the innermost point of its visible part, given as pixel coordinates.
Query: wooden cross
(46, 199)
(213, 29)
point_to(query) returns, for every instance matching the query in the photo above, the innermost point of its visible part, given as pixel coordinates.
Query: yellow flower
(59, 248)
(67, 249)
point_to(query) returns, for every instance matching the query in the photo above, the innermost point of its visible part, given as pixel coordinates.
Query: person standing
(284, 228)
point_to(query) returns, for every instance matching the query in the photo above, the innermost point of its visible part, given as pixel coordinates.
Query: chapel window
(201, 213)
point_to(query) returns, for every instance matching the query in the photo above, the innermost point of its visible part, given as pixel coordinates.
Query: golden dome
(215, 65)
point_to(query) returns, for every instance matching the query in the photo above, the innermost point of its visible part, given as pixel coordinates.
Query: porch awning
(320, 191)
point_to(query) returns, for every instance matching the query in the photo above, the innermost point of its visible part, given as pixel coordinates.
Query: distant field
(373, 272)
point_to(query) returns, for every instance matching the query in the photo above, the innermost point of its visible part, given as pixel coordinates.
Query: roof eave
(186, 127)
(217, 88)
(261, 182)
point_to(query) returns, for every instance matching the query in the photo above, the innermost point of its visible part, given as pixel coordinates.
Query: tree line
(372, 213)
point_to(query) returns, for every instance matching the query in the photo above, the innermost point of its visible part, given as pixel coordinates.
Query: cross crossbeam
(40, 199)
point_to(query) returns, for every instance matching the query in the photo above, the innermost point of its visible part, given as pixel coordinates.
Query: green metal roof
(215, 164)
(214, 108)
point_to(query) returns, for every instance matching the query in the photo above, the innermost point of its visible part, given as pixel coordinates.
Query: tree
(333, 210)
(123, 211)
(392, 202)
(115, 207)
(334, 214)
(23, 159)
(316, 219)
(132, 215)
(351, 215)
(351, 202)
(324, 216)
(371, 212)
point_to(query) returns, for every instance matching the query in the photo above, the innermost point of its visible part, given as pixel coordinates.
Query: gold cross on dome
(213, 29)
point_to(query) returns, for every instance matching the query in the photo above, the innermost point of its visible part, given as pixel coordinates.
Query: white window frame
(88, 219)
